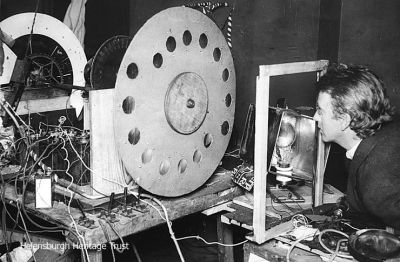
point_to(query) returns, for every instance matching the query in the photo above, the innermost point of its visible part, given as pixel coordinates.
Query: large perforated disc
(174, 102)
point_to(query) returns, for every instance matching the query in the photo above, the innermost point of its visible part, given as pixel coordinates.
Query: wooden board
(276, 214)
(261, 136)
(107, 171)
(276, 252)
(330, 195)
(217, 190)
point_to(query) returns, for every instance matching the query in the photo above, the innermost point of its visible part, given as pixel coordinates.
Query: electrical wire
(136, 253)
(20, 227)
(277, 210)
(71, 127)
(30, 219)
(31, 33)
(327, 248)
(26, 139)
(293, 210)
(15, 221)
(159, 212)
(301, 209)
(119, 236)
(334, 255)
(293, 245)
(234, 153)
(212, 243)
(27, 235)
(13, 115)
(3, 222)
(106, 235)
(347, 224)
(80, 236)
(169, 224)
(299, 220)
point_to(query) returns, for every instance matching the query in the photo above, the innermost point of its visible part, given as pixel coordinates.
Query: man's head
(351, 101)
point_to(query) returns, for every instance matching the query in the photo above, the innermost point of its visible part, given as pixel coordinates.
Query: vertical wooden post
(260, 156)
(86, 114)
(261, 139)
(322, 157)
(319, 173)
(225, 235)
(107, 174)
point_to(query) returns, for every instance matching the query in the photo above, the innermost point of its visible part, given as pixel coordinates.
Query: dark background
(267, 32)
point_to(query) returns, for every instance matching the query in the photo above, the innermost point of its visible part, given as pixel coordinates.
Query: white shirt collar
(350, 153)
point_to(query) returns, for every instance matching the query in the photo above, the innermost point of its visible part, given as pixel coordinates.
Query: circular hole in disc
(128, 105)
(228, 100)
(132, 71)
(217, 54)
(147, 156)
(208, 139)
(187, 37)
(203, 41)
(157, 60)
(182, 165)
(164, 167)
(171, 44)
(134, 136)
(225, 74)
(197, 156)
(225, 128)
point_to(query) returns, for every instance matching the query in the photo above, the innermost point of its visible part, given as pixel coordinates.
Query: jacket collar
(362, 151)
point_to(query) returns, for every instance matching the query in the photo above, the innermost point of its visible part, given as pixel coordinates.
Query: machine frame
(261, 140)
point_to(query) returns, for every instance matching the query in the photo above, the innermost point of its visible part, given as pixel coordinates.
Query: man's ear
(345, 121)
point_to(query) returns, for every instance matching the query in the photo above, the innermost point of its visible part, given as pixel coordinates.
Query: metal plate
(174, 102)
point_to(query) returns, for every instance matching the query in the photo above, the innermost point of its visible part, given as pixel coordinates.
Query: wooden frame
(261, 139)
(107, 172)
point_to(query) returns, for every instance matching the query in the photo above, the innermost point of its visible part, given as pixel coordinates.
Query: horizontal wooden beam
(293, 68)
(43, 105)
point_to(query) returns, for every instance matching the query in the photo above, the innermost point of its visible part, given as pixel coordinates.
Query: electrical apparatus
(160, 106)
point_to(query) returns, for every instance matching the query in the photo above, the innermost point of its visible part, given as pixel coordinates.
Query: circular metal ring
(20, 25)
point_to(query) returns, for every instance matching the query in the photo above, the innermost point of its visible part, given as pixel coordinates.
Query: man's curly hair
(359, 92)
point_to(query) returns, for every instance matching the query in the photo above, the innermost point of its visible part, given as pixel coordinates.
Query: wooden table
(274, 252)
(276, 249)
(277, 221)
(217, 190)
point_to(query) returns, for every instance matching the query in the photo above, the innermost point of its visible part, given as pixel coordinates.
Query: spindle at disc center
(186, 103)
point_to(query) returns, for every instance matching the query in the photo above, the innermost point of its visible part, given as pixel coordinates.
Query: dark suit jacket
(373, 189)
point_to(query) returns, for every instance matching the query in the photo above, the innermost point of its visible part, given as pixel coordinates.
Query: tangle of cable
(327, 248)
(294, 244)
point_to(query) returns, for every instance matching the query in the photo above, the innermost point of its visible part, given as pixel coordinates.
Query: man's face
(330, 126)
